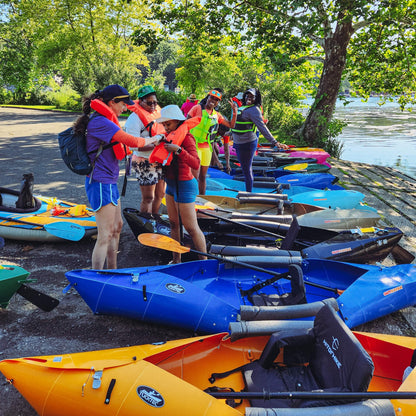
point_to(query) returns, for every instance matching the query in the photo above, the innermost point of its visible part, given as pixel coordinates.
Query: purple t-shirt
(100, 130)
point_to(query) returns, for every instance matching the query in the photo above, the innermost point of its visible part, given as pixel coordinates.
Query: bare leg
(160, 188)
(109, 224)
(202, 180)
(189, 219)
(148, 193)
(174, 224)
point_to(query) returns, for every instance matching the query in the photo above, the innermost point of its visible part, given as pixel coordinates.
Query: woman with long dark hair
(249, 119)
(101, 184)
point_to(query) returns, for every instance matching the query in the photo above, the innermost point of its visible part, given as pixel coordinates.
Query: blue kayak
(206, 295)
(345, 199)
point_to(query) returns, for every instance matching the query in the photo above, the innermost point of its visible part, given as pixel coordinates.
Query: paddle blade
(163, 242)
(65, 229)
(39, 299)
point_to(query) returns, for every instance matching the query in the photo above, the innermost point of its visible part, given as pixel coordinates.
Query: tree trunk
(321, 112)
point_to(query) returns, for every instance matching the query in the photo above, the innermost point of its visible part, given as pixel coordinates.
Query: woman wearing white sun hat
(182, 187)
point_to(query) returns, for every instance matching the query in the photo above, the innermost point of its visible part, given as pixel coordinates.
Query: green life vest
(206, 130)
(243, 126)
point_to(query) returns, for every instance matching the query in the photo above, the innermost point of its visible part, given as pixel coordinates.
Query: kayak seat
(295, 297)
(292, 233)
(326, 357)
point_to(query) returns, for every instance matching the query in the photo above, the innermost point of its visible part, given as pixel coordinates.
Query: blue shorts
(101, 194)
(187, 192)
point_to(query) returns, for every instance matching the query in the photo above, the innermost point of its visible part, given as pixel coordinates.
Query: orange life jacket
(120, 149)
(160, 154)
(148, 119)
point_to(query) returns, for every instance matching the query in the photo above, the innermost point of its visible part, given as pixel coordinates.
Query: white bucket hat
(170, 112)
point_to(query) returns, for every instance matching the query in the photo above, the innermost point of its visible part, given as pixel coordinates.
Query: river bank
(28, 143)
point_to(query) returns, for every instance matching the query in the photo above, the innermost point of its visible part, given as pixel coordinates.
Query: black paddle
(315, 395)
(164, 242)
(39, 299)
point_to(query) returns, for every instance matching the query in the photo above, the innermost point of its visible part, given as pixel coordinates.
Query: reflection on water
(380, 135)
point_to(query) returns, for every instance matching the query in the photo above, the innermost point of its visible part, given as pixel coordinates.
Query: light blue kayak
(344, 199)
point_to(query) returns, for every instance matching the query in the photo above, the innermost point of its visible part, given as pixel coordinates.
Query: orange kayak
(189, 376)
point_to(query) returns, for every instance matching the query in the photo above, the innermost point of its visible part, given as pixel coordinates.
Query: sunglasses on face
(151, 103)
(216, 94)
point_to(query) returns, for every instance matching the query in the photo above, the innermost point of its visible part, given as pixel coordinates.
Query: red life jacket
(160, 154)
(148, 119)
(120, 150)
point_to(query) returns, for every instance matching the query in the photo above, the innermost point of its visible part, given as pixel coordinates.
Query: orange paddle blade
(163, 242)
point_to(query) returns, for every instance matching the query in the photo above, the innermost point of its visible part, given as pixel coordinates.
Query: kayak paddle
(314, 395)
(164, 242)
(62, 229)
(39, 299)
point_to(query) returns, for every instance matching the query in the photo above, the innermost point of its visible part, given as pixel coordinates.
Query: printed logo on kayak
(390, 291)
(331, 350)
(342, 250)
(150, 396)
(175, 288)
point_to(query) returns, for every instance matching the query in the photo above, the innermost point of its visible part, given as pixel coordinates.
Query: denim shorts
(187, 190)
(101, 194)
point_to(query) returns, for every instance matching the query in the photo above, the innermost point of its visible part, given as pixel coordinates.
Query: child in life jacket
(181, 186)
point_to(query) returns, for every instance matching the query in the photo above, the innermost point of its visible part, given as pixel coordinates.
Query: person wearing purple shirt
(101, 128)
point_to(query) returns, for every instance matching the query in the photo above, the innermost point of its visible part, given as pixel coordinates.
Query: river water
(379, 135)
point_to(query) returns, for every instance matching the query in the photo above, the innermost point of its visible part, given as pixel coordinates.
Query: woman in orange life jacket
(249, 119)
(182, 187)
(101, 184)
(206, 131)
(141, 123)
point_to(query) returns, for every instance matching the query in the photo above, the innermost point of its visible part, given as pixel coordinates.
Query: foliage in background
(88, 43)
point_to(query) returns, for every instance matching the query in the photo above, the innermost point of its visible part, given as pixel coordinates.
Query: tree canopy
(89, 43)
(372, 43)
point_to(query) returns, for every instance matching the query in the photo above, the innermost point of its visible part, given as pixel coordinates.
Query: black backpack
(74, 151)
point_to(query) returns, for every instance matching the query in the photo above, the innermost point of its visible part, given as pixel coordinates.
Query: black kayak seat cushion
(296, 296)
(326, 357)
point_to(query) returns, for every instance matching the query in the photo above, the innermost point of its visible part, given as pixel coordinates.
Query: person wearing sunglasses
(206, 131)
(141, 123)
(244, 133)
(102, 127)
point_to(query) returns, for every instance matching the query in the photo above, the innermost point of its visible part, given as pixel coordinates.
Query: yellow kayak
(258, 375)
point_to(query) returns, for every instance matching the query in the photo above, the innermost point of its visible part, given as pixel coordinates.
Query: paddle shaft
(318, 395)
(251, 227)
(62, 229)
(22, 221)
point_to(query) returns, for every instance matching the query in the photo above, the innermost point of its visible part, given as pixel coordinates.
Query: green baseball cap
(145, 90)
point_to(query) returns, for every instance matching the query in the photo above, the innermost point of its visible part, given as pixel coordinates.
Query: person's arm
(227, 155)
(132, 141)
(254, 114)
(135, 127)
(231, 123)
(215, 161)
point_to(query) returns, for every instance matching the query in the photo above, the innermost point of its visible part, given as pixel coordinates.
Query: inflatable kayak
(213, 375)
(206, 295)
(47, 219)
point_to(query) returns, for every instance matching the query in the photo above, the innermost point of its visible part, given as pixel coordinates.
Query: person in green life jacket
(244, 133)
(206, 131)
